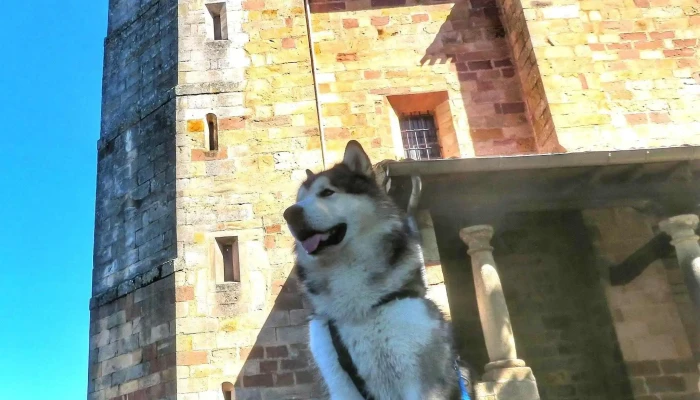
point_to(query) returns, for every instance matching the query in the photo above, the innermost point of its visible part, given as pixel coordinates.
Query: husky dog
(373, 333)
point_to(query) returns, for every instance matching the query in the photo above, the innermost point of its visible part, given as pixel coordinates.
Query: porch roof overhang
(662, 181)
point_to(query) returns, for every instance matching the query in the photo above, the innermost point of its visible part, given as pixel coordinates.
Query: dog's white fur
(393, 346)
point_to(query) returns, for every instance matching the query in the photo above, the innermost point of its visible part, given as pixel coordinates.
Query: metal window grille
(419, 136)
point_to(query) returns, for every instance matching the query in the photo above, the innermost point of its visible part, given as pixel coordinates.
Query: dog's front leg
(339, 385)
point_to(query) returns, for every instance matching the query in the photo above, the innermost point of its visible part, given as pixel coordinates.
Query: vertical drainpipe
(307, 16)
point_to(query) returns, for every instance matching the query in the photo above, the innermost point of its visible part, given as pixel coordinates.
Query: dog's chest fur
(350, 289)
(401, 348)
(383, 351)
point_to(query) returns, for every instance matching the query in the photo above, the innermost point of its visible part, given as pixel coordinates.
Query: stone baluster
(506, 377)
(493, 311)
(682, 228)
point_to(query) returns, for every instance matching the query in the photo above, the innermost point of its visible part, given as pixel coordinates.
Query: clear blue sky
(50, 89)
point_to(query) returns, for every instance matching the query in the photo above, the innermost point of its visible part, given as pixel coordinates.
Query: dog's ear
(356, 159)
(309, 174)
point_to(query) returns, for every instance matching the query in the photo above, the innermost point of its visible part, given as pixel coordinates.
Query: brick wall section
(558, 307)
(258, 83)
(280, 365)
(263, 353)
(365, 52)
(651, 331)
(528, 72)
(618, 75)
(686, 310)
(132, 346)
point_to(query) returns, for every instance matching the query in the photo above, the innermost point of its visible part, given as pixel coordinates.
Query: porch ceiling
(664, 180)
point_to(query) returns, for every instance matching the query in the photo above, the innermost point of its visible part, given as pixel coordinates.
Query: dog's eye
(326, 193)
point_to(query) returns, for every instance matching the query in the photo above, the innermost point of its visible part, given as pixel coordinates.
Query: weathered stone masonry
(249, 333)
(132, 311)
(614, 74)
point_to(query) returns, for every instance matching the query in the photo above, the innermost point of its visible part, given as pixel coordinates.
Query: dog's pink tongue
(311, 244)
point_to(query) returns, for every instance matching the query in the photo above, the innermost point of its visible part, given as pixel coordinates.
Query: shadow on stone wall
(473, 41)
(279, 365)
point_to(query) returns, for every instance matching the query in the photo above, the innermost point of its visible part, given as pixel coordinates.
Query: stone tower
(132, 310)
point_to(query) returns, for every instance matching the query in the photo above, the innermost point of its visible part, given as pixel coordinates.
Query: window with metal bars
(420, 137)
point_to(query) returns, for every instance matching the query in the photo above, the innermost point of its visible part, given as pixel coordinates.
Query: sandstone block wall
(368, 51)
(653, 315)
(616, 74)
(132, 345)
(135, 219)
(249, 334)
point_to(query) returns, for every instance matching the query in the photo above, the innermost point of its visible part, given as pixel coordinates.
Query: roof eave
(540, 161)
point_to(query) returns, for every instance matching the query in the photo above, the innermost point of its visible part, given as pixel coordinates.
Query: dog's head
(336, 205)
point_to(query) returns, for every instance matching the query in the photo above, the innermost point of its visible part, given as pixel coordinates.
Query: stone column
(682, 228)
(506, 377)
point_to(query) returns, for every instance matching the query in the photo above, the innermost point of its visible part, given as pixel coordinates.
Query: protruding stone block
(508, 384)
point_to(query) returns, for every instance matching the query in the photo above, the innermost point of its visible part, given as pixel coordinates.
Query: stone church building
(552, 145)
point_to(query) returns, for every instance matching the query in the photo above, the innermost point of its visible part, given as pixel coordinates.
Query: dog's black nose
(294, 215)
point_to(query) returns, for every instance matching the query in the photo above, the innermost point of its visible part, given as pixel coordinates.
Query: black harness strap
(398, 295)
(344, 358)
(346, 362)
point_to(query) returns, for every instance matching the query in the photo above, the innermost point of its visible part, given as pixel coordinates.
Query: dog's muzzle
(312, 240)
(294, 216)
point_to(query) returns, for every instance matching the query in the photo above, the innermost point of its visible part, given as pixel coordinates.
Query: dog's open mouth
(317, 241)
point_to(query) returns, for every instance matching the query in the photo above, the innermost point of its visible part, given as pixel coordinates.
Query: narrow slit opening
(217, 34)
(229, 259)
(227, 389)
(219, 25)
(213, 129)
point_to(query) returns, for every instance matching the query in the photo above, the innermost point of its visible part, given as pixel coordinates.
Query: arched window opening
(227, 389)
